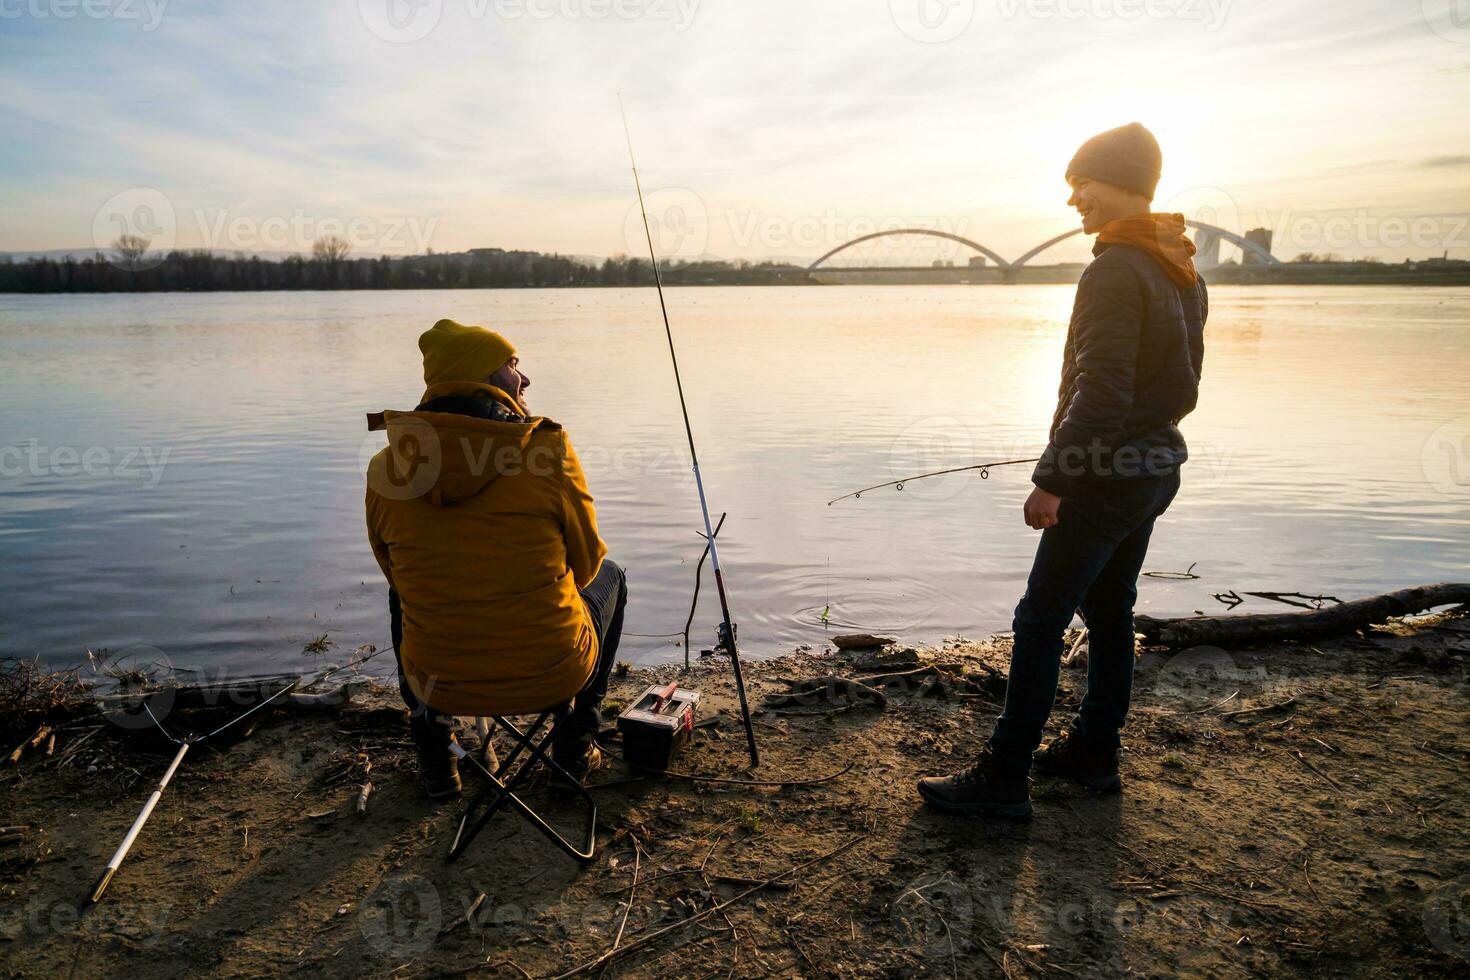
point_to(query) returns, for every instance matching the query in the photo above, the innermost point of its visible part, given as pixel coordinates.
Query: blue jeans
(1088, 560)
(606, 596)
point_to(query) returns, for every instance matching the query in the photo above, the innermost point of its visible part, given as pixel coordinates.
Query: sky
(763, 128)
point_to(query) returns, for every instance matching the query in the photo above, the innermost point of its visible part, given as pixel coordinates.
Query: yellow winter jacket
(485, 528)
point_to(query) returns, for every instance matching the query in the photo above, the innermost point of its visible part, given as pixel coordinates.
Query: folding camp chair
(508, 776)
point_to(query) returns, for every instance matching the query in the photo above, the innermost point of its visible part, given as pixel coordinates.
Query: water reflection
(1309, 468)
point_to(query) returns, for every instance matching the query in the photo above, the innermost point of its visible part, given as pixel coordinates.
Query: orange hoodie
(1161, 236)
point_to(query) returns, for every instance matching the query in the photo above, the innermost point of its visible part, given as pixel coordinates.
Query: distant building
(1261, 237)
(977, 261)
(1206, 249)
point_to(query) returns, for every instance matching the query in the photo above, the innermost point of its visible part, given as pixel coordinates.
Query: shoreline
(1286, 809)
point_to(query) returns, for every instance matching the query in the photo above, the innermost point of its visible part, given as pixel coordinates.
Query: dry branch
(1235, 631)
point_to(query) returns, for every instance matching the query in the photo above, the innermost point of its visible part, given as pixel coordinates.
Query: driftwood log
(860, 641)
(1271, 627)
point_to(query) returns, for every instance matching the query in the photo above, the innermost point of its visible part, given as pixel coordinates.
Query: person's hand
(1041, 509)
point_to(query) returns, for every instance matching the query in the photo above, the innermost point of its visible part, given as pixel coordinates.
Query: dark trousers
(1088, 560)
(576, 722)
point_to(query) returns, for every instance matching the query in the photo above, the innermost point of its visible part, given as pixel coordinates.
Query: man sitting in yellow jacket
(501, 597)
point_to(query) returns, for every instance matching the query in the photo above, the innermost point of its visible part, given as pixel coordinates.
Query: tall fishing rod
(984, 469)
(727, 627)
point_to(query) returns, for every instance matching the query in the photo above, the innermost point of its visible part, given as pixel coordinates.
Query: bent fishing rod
(984, 469)
(727, 627)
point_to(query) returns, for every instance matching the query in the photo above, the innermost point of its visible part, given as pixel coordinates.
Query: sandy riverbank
(1322, 833)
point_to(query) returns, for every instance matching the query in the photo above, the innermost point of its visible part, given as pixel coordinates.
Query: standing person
(501, 597)
(1130, 372)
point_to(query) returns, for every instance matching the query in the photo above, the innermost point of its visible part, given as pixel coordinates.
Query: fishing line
(726, 639)
(984, 469)
(184, 744)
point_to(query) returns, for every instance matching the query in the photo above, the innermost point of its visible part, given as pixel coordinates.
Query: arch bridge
(1011, 269)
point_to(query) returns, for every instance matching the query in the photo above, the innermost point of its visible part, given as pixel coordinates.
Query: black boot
(1072, 756)
(987, 788)
(439, 770)
(579, 765)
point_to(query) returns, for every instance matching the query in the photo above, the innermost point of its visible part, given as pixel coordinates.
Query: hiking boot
(1072, 756)
(440, 772)
(987, 788)
(579, 769)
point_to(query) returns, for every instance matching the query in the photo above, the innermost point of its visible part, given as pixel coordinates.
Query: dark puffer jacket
(1131, 371)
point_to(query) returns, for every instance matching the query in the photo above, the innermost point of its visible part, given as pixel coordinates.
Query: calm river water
(183, 472)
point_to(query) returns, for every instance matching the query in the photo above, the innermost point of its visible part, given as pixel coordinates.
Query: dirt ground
(1288, 810)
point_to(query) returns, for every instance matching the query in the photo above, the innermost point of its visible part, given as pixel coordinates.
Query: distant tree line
(130, 267)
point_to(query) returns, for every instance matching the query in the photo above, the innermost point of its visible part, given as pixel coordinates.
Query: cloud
(1460, 160)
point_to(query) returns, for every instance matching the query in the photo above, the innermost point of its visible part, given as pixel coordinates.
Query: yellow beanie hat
(455, 352)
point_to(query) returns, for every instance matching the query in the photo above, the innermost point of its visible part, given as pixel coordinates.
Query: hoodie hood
(460, 439)
(1161, 236)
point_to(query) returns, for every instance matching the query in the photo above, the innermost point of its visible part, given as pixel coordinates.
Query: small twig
(1218, 704)
(641, 941)
(1265, 707)
(467, 918)
(637, 865)
(1183, 576)
(1303, 760)
(1397, 677)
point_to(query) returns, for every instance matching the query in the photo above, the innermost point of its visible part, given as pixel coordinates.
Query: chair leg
(501, 791)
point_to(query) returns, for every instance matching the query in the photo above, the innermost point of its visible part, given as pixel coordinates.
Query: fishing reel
(724, 641)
